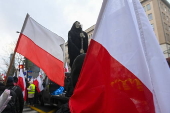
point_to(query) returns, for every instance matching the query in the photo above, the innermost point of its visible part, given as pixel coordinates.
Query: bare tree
(8, 52)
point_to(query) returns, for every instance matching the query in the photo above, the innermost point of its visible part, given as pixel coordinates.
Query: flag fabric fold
(44, 48)
(124, 70)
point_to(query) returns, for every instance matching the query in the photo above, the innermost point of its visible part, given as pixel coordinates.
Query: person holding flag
(19, 105)
(38, 82)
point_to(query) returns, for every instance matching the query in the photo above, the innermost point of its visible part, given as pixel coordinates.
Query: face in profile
(77, 25)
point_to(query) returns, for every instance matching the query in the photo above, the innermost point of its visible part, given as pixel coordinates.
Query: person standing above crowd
(77, 42)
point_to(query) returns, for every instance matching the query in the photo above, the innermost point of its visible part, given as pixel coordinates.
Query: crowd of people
(16, 103)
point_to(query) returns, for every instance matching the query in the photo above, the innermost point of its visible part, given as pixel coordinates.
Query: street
(40, 109)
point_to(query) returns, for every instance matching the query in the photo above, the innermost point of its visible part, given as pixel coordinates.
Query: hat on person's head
(10, 79)
(31, 82)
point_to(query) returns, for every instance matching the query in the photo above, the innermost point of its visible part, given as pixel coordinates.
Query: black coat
(19, 94)
(2, 88)
(74, 43)
(76, 69)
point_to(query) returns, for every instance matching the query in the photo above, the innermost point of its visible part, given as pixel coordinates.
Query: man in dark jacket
(18, 91)
(75, 72)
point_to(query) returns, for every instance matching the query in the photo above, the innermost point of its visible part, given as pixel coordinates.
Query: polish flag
(44, 48)
(38, 83)
(4, 76)
(66, 67)
(22, 84)
(124, 70)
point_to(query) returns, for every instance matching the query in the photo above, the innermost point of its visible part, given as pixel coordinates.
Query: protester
(31, 93)
(15, 80)
(77, 42)
(19, 96)
(36, 96)
(76, 69)
(5, 107)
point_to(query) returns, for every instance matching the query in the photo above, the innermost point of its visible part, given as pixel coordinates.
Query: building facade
(158, 13)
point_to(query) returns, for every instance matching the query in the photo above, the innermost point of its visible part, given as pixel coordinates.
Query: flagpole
(15, 49)
(10, 66)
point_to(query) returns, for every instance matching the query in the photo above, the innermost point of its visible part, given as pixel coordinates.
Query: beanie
(10, 79)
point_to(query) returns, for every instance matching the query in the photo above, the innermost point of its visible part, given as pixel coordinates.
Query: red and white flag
(66, 67)
(44, 48)
(124, 70)
(38, 83)
(22, 84)
(4, 76)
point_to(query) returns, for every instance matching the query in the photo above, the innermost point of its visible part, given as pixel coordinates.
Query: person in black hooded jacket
(77, 42)
(2, 88)
(18, 91)
(76, 69)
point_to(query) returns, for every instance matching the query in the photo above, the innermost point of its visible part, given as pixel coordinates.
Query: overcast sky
(56, 15)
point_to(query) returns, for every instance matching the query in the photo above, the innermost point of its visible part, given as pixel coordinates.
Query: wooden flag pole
(10, 66)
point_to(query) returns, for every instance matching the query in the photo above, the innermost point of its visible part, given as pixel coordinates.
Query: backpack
(12, 106)
(17, 106)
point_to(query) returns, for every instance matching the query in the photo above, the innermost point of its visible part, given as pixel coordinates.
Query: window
(163, 14)
(148, 7)
(167, 37)
(144, 8)
(167, 18)
(152, 26)
(165, 26)
(150, 16)
(162, 6)
(169, 11)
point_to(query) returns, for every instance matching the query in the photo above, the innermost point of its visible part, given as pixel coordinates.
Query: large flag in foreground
(21, 82)
(44, 48)
(124, 69)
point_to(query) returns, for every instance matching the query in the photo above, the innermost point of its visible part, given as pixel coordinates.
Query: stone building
(158, 13)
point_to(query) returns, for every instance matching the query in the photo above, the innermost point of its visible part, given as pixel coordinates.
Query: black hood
(74, 29)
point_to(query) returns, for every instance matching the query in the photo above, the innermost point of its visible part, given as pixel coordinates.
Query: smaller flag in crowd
(21, 83)
(38, 83)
